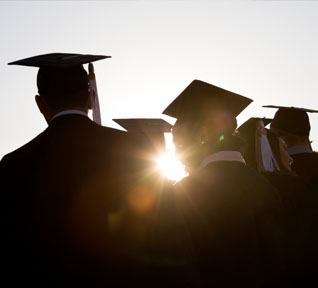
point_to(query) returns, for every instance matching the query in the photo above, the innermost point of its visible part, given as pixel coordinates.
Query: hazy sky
(265, 50)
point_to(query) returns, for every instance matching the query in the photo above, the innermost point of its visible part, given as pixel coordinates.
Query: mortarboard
(200, 95)
(58, 60)
(249, 127)
(63, 73)
(140, 125)
(292, 119)
(152, 131)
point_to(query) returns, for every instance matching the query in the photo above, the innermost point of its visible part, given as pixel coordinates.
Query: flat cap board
(200, 95)
(144, 125)
(292, 119)
(250, 125)
(59, 60)
(291, 108)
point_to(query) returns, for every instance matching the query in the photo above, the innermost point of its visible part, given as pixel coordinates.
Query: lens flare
(171, 167)
(169, 164)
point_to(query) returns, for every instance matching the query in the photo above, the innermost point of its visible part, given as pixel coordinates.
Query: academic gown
(306, 165)
(59, 191)
(233, 222)
(300, 216)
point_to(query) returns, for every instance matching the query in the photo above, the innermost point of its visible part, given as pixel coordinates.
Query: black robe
(306, 166)
(300, 200)
(233, 222)
(58, 193)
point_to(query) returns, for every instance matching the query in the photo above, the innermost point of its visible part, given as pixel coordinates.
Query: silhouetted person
(268, 154)
(61, 188)
(231, 214)
(299, 201)
(144, 196)
(293, 125)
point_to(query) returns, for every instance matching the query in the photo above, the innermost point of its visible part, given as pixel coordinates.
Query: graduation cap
(62, 74)
(200, 96)
(249, 127)
(58, 60)
(140, 125)
(152, 129)
(292, 119)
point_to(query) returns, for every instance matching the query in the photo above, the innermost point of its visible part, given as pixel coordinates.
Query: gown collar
(223, 156)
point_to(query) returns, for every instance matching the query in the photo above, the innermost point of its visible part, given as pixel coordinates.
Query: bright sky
(265, 50)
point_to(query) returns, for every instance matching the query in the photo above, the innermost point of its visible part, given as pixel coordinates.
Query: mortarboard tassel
(94, 95)
(265, 158)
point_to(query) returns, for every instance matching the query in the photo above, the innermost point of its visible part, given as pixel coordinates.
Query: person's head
(279, 149)
(150, 132)
(206, 121)
(292, 124)
(62, 81)
(199, 135)
(61, 89)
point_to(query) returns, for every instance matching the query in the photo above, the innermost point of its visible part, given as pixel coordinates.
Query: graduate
(293, 125)
(150, 134)
(61, 187)
(232, 215)
(146, 180)
(268, 154)
(150, 212)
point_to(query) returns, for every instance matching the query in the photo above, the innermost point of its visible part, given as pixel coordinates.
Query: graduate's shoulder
(35, 144)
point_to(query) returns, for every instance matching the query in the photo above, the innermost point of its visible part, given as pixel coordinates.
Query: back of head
(293, 121)
(206, 119)
(62, 81)
(63, 87)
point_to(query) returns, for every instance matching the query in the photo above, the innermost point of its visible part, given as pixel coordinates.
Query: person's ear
(40, 102)
(43, 107)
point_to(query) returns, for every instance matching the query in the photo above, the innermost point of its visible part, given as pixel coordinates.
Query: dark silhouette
(293, 125)
(62, 188)
(146, 207)
(230, 215)
(297, 195)
(85, 205)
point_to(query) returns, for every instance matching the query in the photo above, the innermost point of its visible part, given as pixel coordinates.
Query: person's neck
(53, 113)
(298, 143)
(294, 140)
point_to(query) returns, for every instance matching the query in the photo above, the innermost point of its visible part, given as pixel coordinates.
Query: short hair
(63, 87)
(294, 121)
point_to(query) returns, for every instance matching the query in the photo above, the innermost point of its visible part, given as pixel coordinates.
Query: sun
(168, 163)
(171, 167)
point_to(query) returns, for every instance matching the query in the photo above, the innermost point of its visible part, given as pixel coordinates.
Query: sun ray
(169, 164)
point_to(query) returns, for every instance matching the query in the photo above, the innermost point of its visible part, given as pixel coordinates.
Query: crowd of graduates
(85, 205)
